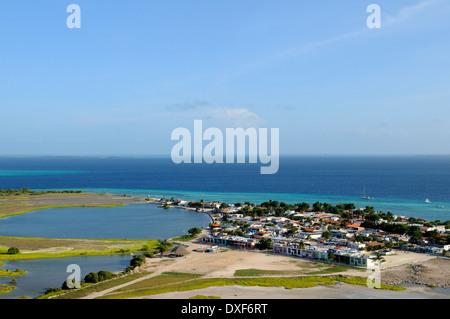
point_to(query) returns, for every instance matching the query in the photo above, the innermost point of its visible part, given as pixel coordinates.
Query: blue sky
(137, 70)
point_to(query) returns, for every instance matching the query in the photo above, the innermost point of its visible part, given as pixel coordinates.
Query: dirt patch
(433, 272)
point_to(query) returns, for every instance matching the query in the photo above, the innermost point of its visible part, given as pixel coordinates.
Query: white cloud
(236, 117)
(217, 116)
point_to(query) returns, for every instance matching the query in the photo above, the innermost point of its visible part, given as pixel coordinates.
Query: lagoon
(134, 221)
(51, 273)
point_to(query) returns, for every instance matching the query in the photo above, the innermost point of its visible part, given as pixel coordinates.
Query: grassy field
(8, 209)
(306, 269)
(332, 269)
(23, 202)
(184, 238)
(36, 248)
(161, 280)
(259, 272)
(193, 284)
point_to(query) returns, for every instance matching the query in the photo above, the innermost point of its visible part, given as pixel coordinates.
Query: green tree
(264, 244)
(416, 234)
(194, 231)
(292, 230)
(137, 261)
(302, 207)
(318, 206)
(379, 257)
(163, 246)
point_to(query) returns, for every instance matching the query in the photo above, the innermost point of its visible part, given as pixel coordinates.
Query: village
(343, 234)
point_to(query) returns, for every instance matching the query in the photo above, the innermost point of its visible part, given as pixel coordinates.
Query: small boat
(427, 201)
(364, 195)
(440, 206)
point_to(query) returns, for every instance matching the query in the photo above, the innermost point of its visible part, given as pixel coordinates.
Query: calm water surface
(48, 273)
(136, 221)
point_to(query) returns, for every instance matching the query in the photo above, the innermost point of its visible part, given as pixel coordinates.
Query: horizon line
(168, 156)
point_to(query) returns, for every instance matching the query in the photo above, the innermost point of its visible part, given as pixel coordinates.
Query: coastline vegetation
(12, 273)
(27, 191)
(5, 289)
(19, 205)
(192, 234)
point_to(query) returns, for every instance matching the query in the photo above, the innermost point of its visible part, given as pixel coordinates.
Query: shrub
(13, 251)
(137, 261)
(128, 269)
(105, 275)
(149, 255)
(65, 286)
(92, 277)
(52, 290)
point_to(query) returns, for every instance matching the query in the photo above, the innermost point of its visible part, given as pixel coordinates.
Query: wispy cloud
(402, 15)
(408, 12)
(237, 117)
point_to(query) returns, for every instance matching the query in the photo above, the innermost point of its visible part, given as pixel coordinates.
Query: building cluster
(313, 235)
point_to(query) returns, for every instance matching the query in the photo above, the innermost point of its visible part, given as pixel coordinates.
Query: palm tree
(301, 245)
(380, 258)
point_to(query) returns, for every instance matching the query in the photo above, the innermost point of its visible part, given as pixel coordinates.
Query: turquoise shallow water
(399, 207)
(10, 173)
(400, 184)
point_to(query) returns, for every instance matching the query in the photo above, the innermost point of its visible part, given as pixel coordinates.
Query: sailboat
(364, 195)
(427, 201)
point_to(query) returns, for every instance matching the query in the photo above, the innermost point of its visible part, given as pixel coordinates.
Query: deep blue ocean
(397, 184)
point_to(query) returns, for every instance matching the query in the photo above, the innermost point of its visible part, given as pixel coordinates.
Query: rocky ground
(434, 272)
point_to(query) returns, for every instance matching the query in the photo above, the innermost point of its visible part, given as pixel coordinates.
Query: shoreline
(399, 206)
(59, 249)
(211, 268)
